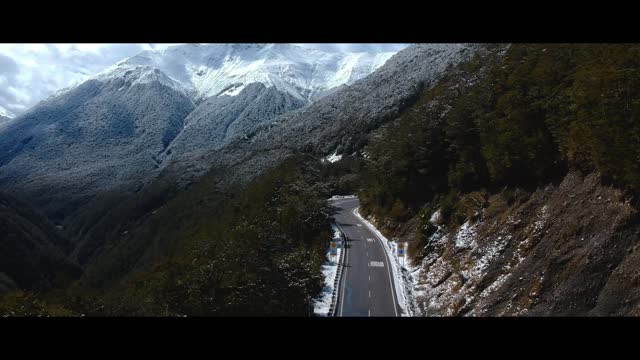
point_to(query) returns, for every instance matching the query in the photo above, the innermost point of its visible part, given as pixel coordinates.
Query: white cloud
(32, 72)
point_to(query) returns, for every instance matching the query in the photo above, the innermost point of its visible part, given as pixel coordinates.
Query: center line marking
(369, 293)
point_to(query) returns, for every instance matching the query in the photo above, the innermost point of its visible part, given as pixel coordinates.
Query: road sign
(334, 247)
(401, 248)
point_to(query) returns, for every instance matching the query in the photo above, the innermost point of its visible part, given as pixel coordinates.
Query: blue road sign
(401, 249)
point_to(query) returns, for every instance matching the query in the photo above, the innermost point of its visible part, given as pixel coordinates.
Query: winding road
(366, 287)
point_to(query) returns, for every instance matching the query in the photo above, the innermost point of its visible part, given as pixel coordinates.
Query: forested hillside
(254, 252)
(515, 181)
(520, 120)
(32, 251)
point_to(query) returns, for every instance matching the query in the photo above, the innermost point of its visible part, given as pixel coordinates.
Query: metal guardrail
(337, 281)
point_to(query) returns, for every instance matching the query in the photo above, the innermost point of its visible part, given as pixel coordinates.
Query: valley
(193, 181)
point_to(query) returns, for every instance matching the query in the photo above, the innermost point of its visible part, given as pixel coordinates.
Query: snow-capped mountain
(339, 123)
(92, 138)
(121, 127)
(225, 69)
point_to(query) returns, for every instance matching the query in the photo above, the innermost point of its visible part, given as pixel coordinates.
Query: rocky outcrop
(565, 250)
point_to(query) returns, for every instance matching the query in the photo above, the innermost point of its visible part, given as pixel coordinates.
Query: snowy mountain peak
(138, 74)
(225, 69)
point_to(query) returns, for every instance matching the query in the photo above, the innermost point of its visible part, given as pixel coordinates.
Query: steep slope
(254, 251)
(340, 121)
(564, 250)
(32, 250)
(515, 182)
(219, 120)
(102, 135)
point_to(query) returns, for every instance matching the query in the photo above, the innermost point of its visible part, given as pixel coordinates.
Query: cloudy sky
(32, 72)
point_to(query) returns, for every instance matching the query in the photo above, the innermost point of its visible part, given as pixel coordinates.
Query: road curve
(366, 287)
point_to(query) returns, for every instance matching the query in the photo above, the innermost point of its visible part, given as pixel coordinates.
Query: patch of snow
(336, 197)
(495, 285)
(329, 269)
(332, 158)
(435, 217)
(489, 253)
(541, 220)
(138, 74)
(465, 238)
(234, 90)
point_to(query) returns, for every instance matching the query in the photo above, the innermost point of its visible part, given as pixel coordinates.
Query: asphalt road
(366, 288)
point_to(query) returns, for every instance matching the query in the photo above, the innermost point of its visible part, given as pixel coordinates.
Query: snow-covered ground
(225, 69)
(336, 197)
(332, 158)
(397, 266)
(441, 284)
(322, 304)
(133, 74)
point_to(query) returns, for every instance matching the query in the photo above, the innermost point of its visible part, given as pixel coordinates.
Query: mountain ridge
(118, 129)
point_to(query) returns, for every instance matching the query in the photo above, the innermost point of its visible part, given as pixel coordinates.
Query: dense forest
(257, 252)
(513, 121)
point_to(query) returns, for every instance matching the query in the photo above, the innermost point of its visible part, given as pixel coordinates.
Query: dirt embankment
(570, 249)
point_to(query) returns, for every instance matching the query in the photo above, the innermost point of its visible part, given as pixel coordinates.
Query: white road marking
(370, 240)
(372, 264)
(369, 294)
(394, 296)
(393, 292)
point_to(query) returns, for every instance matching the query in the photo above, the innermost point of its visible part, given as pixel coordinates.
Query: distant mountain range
(121, 127)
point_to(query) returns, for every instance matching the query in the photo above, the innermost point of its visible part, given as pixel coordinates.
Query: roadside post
(334, 248)
(401, 252)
